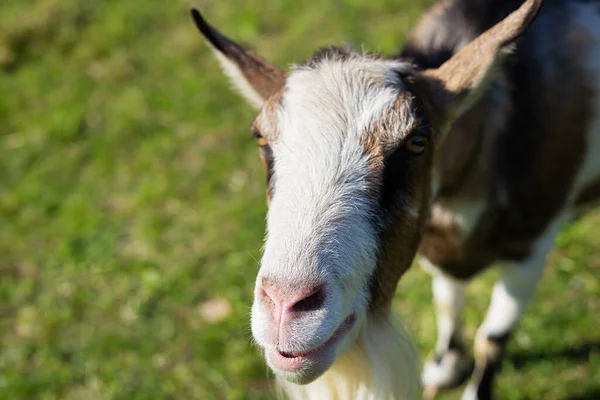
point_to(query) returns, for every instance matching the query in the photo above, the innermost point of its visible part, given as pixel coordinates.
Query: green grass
(131, 195)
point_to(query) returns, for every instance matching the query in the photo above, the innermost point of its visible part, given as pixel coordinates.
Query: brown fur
(266, 121)
(385, 136)
(469, 68)
(400, 241)
(401, 235)
(264, 77)
(264, 127)
(545, 134)
(531, 126)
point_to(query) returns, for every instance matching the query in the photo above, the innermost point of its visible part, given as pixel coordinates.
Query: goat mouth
(296, 361)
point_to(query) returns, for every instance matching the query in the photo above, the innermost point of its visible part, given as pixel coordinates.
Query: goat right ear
(458, 83)
(255, 78)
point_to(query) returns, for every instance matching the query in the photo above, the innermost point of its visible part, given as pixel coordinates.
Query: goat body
(516, 167)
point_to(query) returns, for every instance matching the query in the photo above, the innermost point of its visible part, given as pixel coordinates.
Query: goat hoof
(447, 371)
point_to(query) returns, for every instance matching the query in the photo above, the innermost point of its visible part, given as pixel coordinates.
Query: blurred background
(132, 207)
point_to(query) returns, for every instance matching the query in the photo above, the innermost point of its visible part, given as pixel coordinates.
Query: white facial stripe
(321, 163)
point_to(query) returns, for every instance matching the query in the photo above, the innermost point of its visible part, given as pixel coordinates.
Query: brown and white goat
(357, 164)
(517, 166)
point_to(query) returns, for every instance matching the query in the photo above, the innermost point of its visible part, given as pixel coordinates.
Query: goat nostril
(312, 302)
(265, 297)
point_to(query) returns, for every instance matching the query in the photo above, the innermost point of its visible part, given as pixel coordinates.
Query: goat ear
(463, 79)
(254, 77)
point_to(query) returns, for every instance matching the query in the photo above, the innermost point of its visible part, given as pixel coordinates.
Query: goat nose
(284, 301)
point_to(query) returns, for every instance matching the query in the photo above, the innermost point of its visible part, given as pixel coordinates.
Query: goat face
(349, 143)
(349, 157)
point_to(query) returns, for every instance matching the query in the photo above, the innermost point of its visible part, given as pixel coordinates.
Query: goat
(513, 170)
(357, 149)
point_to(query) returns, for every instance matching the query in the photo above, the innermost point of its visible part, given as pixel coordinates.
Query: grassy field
(132, 207)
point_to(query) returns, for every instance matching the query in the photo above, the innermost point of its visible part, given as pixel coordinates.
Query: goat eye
(259, 138)
(416, 144)
(261, 141)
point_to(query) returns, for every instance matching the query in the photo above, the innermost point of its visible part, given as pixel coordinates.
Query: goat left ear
(254, 77)
(458, 83)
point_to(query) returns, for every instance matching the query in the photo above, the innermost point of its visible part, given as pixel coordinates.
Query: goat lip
(295, 361)
(285, 363)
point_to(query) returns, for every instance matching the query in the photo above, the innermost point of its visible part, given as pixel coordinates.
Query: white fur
(449, 299)
(470, 392)
(518, 283)
(465, 213)
(378, 366)
(513, 292)
(239, 80)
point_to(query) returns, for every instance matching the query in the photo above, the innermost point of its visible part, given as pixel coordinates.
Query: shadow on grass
(580, 352)
(592, 394)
